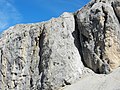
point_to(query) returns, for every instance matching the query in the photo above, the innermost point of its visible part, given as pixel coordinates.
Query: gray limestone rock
(99, 27)
(60, 60)
(51, 55)
(41, 56)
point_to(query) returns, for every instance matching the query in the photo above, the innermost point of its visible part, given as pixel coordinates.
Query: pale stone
(99, 27)
(40, 56)
(55, 54)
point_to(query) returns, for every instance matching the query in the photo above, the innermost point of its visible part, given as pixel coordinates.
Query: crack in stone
(77, 36)
(2, 73)
(1, 55)
(31, 82)
(104, 31)
(105, 67)
(66, 82)
(40, 65)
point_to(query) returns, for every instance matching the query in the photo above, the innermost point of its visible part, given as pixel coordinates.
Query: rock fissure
(78, 40)
(1, 55)
(67, 83)
(2, 73)
(104, 32)
(31, 82)
(40, 66)
(41, 37)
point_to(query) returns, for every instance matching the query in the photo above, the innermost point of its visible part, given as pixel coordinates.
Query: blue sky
(30, 11)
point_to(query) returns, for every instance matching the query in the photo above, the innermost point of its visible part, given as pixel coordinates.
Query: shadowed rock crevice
(41, 38)
(67, 83)
(104, 32)
(77, 39)
(1, 54)
(40, 65)
(2, 73)
(31, 82)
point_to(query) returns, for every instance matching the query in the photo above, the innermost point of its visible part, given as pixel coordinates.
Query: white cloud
(8, 14)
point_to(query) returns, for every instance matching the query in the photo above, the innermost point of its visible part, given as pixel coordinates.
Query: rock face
(53, 54)
(99, 27)
(40, 56)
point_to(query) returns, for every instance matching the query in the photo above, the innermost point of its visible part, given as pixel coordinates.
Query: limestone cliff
(99, 27)
(40, 56)
(50, 55)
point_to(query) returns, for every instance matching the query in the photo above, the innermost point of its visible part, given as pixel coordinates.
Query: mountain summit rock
(64, 53)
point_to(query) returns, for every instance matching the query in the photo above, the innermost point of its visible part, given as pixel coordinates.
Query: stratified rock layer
(99, 27)
(40, 56)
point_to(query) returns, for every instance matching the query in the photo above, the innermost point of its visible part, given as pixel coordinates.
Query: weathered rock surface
(56, 53)
(99, 27)
(40, 56)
